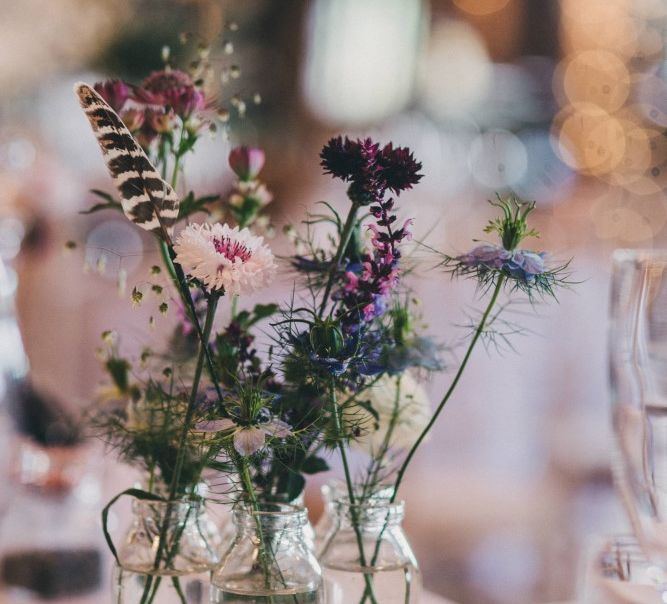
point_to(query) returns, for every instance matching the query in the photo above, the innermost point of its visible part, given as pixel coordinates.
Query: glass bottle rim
(244, 513)
(180, 504)
(373, 505)
(639, 255)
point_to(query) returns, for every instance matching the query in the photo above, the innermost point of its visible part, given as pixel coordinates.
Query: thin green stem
(342, 245)
(378, 458)
(246, 481)
(177, 587)
(189, 413)
(336, 412)
(180, 456)
(452, 386)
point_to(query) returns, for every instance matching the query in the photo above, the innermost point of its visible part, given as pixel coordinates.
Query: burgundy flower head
(370, 170)
(171, 88)
(114, 92)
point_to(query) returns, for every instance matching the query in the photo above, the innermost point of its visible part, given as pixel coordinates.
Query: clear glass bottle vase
(269, 560)
(366, 558)
(336, 489)
(167, 554)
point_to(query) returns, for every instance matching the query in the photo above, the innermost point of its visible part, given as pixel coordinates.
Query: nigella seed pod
(326, 338)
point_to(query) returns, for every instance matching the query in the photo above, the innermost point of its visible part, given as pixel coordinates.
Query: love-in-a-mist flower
(247, 439)
(522, 265)
(225, 258)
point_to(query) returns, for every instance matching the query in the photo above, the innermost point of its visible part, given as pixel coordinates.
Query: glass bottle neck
(373, 515)
(270, 518)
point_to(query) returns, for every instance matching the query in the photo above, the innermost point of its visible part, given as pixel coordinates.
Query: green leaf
(314, 464)
(295, 484)
(104, 195)
(137, 494)
(112, 205)
(261, 311)
(190, 204)
(118, 370)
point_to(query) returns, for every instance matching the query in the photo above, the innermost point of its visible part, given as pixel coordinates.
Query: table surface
(427, 598)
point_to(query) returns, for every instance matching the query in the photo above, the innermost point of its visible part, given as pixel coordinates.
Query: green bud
(326, 338)
(401, 324)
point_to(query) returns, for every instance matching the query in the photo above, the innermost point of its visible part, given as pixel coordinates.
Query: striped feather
(147, 200)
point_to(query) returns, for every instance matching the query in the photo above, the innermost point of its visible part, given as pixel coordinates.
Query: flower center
(231, 249)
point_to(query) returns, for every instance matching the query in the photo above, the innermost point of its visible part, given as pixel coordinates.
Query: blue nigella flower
(522, 265)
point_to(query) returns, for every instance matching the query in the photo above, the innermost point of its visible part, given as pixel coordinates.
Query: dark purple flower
(400, 170)
(247, 162)
(114, 92)
(371, 171)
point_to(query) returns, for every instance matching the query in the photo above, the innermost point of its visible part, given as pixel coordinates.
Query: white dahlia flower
(412, 412)
(225, 258)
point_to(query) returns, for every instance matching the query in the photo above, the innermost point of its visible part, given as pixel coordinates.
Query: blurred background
(562, 102)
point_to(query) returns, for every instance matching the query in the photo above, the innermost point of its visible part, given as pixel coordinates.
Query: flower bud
(133, 119)
(247, 162)
(114, 92)
(162, 123)
(326, 338)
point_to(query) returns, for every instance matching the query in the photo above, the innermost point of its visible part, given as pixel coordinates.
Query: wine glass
(638, 378)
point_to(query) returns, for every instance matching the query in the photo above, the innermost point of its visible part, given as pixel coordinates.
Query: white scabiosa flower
(225, 258)
(410, 413)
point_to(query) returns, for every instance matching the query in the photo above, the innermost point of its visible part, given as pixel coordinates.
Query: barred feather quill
(147, 200)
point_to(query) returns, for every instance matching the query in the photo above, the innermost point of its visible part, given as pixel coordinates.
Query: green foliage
(109, 203)
(191, 204)
(512, 227)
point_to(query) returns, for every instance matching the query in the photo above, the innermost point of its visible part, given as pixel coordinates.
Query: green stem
(246, 481)
(450, 390)
(344, 240)
(443, 402)
(377, 461)
(177, 587)
(336, 411)
(180, 456)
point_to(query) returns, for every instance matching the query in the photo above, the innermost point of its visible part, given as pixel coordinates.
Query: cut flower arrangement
(213, 419)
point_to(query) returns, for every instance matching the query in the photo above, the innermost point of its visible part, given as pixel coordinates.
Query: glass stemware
(638, 379)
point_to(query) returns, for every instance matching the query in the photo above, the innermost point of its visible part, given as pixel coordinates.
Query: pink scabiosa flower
(247, 439)
(114, 92)
(247, 162)
(224, 258)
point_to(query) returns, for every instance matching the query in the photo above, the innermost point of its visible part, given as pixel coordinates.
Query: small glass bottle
(366, 557)
(51, 548)
(336, 489)
(13, 372)
(269, 560)
(167, 554)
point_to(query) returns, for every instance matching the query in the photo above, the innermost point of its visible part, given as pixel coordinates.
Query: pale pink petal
(277, 428)
(216, 425)
(249, 440)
